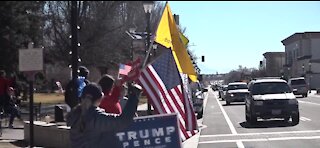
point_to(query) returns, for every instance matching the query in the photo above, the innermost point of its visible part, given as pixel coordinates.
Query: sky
(230, 34)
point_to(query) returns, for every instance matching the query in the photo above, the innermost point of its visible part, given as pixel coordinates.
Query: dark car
(223, 91)
(299, 86)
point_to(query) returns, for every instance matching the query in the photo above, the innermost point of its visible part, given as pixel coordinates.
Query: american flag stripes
(163, 85)
(124, 69)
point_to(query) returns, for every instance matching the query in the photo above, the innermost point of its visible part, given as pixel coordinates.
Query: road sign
(31, 59)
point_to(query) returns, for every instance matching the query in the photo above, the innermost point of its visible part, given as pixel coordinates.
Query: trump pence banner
(156, 131)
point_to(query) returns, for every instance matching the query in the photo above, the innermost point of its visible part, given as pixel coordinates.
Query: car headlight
(293, 101)
(258, 103)
(231, 95)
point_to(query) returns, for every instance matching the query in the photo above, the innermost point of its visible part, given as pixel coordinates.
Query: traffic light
(202, 58)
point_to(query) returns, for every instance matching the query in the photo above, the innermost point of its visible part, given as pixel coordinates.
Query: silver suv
(197, 92)
(271, 98)
(236, 92)
(299, 86)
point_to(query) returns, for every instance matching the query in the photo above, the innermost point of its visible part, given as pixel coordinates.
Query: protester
(91, 126)
(3, 93)
(111, 89)
(12, 108)
(3, 90)
(82, 81)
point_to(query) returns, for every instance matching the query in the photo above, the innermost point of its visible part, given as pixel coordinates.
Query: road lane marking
(309, 102)
(264, 133)
(261, 139)
(233, 130)
(305, 119)
(240, 144)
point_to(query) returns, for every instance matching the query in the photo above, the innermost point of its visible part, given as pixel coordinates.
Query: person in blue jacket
(70, 93)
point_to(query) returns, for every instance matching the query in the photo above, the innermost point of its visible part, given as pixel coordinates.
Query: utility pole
(74, 44)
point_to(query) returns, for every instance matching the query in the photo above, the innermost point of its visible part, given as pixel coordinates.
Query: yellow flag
(184, 39)
(168, 35)
(185, 42)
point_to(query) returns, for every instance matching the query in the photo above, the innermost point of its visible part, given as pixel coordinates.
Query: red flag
(162, 83)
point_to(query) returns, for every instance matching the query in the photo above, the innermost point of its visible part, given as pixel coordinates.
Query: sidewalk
(314, 93)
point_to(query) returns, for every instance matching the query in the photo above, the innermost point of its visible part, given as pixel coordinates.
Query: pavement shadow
(6, 127)
(266, 124)
(298, 96)
(234, 104)
(20, 143)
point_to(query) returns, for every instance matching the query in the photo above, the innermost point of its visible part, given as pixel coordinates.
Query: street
(225, 126)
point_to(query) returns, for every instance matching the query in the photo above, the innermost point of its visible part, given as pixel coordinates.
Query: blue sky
(230, 34)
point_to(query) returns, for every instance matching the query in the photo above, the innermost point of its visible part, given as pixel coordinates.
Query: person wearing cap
(91, 126)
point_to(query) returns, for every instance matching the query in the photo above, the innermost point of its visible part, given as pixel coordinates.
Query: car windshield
(270, 88)
(240, 86)
(298, 82)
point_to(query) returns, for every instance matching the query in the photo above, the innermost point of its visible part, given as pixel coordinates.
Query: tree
(102, 35)
(20, 23)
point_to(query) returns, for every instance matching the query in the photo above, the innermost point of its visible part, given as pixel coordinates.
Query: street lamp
(131, 33)
(302, 69)
(148, 6)
(289, 76)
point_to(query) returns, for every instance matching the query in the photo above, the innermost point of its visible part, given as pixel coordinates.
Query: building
(302, 53)
(273, 63)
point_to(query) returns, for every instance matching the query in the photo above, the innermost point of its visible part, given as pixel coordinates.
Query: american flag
(124, 69)
(163, 85)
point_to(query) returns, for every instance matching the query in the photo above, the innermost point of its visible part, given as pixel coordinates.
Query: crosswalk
(257, 137)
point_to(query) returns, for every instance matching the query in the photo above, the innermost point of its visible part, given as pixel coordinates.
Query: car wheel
(247, 117)
(253, 118)
(295, 118)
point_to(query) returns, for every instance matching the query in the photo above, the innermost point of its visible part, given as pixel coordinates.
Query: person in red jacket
(111, 99)
(3, 89)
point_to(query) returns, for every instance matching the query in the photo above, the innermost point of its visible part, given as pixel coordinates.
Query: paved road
(226, 127)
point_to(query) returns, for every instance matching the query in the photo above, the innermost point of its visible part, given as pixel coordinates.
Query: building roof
(274, 54)
(300, 35)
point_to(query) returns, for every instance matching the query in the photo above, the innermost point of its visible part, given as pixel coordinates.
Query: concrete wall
(48, 135)
(304, 47)
(274, 63)
(315, 46)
